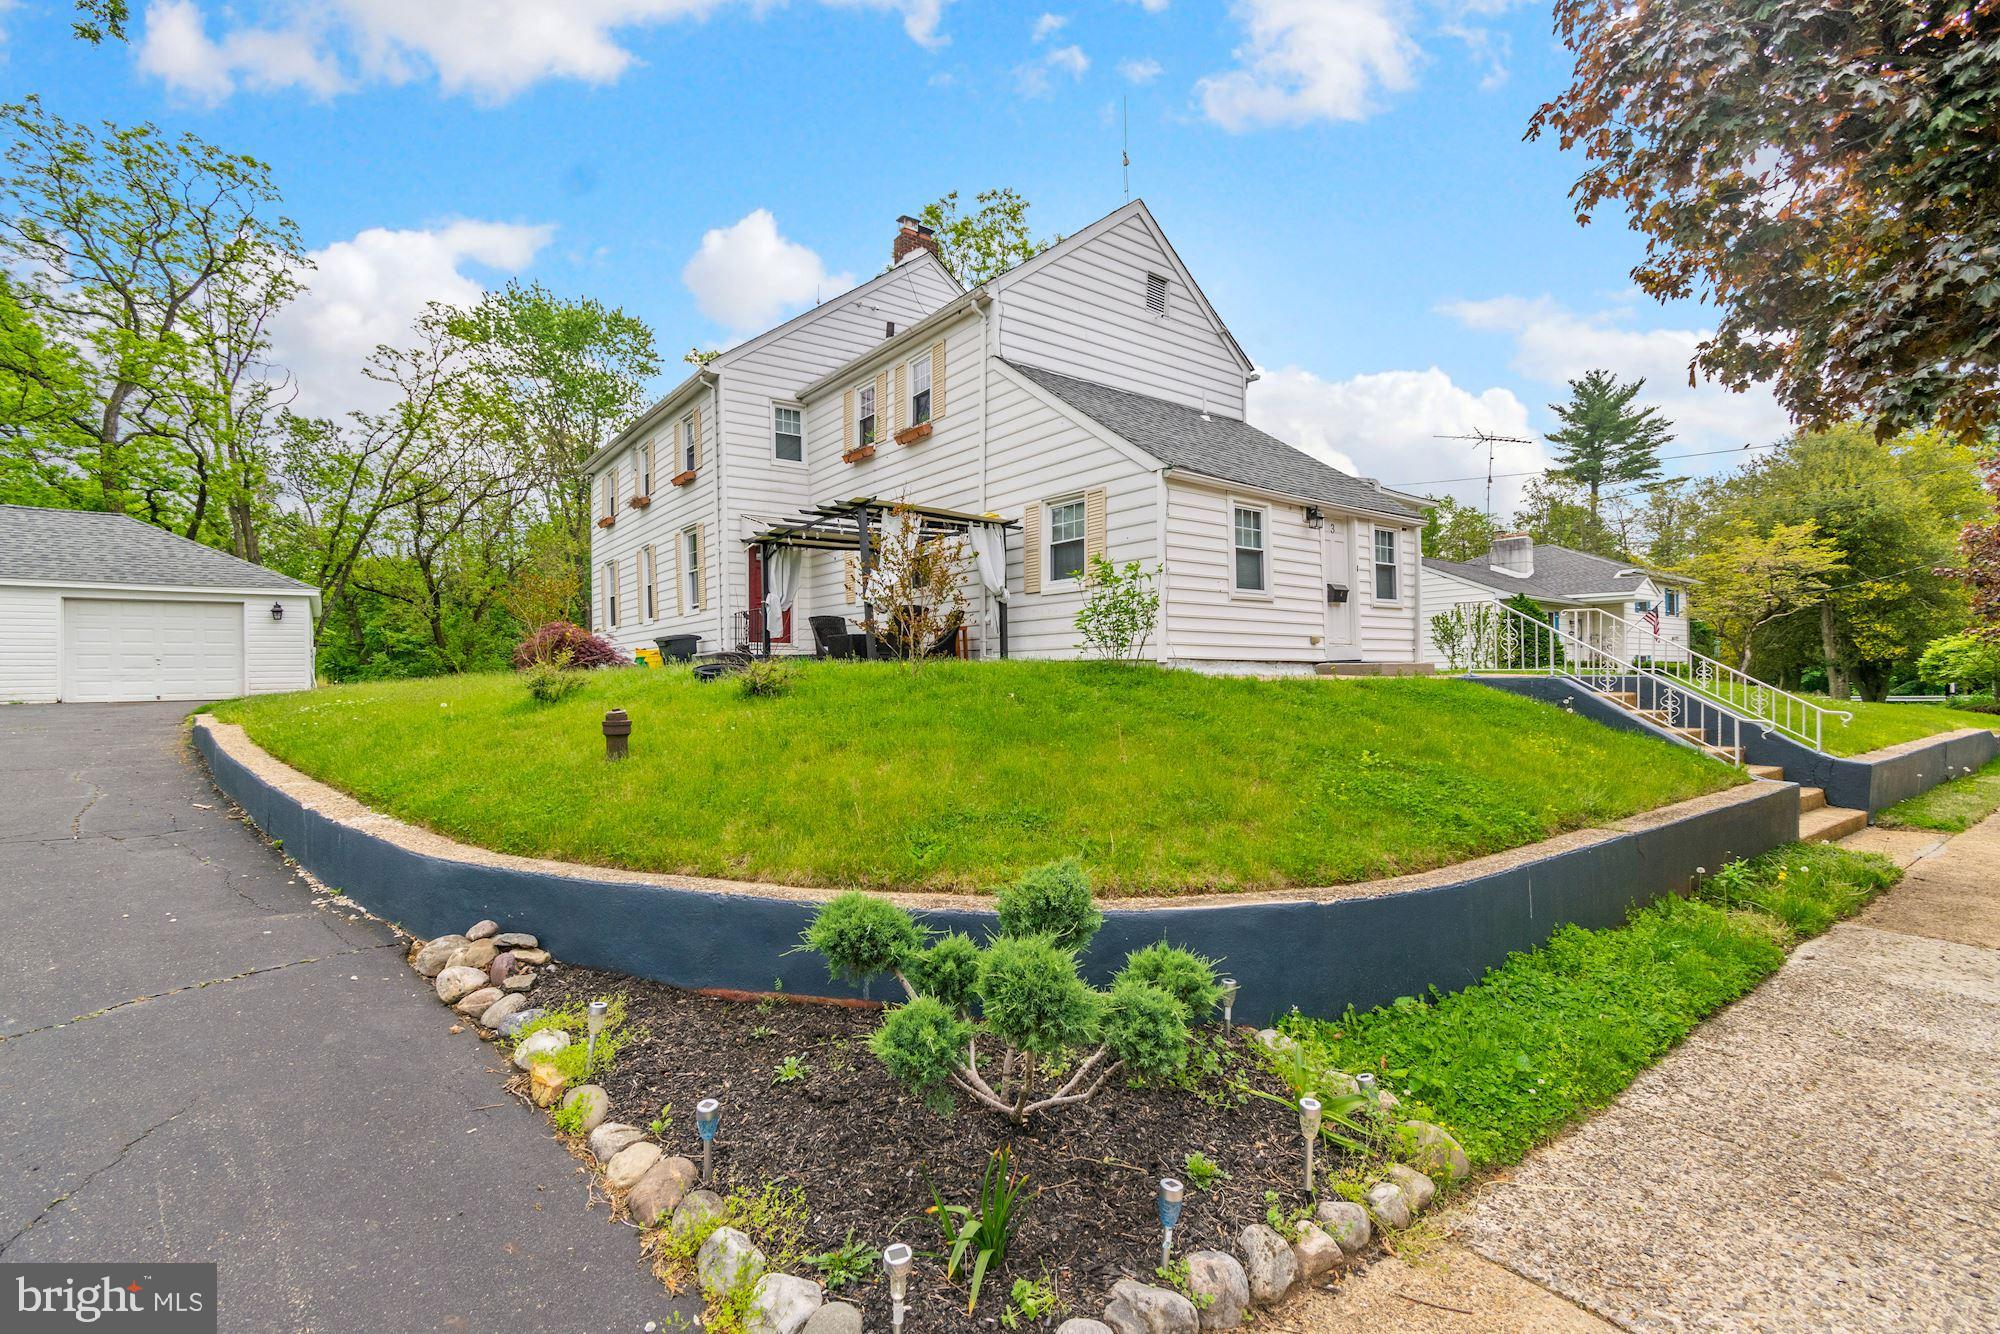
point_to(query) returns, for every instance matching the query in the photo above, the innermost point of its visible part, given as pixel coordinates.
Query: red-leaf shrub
(584, 649)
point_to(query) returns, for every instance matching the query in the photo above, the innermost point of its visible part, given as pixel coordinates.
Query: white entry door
(1338, 561)
(128, 650)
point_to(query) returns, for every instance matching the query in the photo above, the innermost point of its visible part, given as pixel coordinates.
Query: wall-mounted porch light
(277, 611)
(1315, 518)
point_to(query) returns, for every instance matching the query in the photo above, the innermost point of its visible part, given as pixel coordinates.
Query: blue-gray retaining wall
(1318, 956)
(1857, 784)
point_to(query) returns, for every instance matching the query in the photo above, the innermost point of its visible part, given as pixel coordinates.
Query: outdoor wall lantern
(617, 734)
(1314, 517)
(707, 1116)
(594, 1017)
(1229, 989)
(1309, 1118)
(1169, 1201)
(277, 611)
(897, 1260)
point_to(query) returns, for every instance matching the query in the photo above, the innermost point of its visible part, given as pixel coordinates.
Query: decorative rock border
(1319, 950)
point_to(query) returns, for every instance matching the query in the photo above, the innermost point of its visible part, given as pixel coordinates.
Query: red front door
(757, 605)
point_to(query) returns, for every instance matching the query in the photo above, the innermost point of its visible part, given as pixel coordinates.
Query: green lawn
(1555, 1033)
(1879, 725)
(965, 774)
(1952, 807)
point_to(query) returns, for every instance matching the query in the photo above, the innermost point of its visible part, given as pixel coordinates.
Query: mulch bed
(860, 1147)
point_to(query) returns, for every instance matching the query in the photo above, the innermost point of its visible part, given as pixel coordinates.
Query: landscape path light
(707, 1116)
(1228, 985)
(595, 1019)
(1170, 1214)
(1364, 1084)
(1309, 1118)
(897, 1260)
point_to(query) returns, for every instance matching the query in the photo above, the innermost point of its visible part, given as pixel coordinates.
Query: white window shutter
(937, 379)
(1031, 549)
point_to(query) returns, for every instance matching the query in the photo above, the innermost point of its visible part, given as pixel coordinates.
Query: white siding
(1387, 628)
(661, 524)
(277, 655)
(1442, 592)
(1084, 313)
(30, 639)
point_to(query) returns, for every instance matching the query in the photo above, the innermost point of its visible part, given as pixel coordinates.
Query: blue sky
(1346, 178)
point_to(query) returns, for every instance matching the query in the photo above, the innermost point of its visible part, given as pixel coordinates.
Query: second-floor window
(607, 494)
(1066, 528)
(788, 434)
(920, 390)
(864, 415)
(645, 466)
(690, 446)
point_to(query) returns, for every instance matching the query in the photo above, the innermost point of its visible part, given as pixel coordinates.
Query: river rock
(597, 1105)
(478, 954)
(519, 981)
(1270, 1039)
(501, 1010)
(541, 1042)
(1346, 1222)
(1141, 1308)
(515, 940)
(840, 1318)
(1418, 1189)
(1432, 1150)
(545, 1084)
(1317, 1253)
(485, 930)
(631, 1163)
(520, 1019)
(1386, 1203)
(532, 957)
(1268, 1263)
(725, 1258)
(696, 1208)
(1219, 1276)
(611, 1136)
(475, 1003)
(431, 959)
(454, 984)
(1082, 1325)
(782, 1303)
(661, 1190)
(502, 965)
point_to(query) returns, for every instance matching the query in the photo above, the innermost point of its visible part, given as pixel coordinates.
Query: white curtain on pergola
(989, 549)
(781, 587)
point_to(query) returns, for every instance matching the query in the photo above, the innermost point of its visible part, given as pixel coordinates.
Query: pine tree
(1604, 440)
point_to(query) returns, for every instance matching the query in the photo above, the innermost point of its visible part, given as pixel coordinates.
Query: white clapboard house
(1088, 401)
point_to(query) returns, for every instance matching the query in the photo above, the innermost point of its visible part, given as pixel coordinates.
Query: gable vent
(1156, 294)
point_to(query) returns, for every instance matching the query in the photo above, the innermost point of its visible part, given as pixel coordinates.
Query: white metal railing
(1498, 638)
(1768, 707)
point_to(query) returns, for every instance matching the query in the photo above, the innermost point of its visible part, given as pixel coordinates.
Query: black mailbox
(1336, 594)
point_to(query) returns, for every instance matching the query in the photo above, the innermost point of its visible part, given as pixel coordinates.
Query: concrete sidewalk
(199, 1063)
(1821, 1155)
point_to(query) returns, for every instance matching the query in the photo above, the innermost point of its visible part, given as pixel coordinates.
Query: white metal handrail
(1506, 639)
(1771, 708)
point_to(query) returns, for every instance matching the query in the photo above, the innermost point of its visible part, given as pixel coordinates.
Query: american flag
(1652, 619)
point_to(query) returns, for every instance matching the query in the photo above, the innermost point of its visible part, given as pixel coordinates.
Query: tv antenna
(1126, 156)
(1489, 440)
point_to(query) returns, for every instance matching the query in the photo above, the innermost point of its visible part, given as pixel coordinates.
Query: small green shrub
(1032, 998)
(1182, 974)
(576, 1061)
(922, 1045)
(1052, 901)
(948, 970)
(1144, 1028)
(765, 678)
(861, 935)
(550, 681)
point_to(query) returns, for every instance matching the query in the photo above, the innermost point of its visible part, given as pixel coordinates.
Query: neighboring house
(1090, 398)
(1568, 586)
(100, 606)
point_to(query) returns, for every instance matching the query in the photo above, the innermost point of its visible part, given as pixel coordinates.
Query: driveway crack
(96, 795)
(117, 1158)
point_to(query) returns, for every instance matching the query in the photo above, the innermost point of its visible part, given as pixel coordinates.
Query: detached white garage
(101, 607)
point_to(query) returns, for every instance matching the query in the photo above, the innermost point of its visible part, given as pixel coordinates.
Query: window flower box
(909, 435)
(858, 454)
(640, 502)
(684, 478)
(607, 521)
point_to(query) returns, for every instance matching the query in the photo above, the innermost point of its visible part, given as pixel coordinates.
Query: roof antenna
(1127, 154)
(1479, 434)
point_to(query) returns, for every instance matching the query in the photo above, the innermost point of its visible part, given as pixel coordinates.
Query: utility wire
(1537, 472)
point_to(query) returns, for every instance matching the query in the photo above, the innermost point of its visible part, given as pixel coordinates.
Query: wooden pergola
(850, 525)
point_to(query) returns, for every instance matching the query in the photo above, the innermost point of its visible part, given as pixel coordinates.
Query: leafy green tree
(1555, 511)
(1604, 440)
(1961, 660)
(1749, 579)
(1458, 532)
(1825, 174)
(986, 242)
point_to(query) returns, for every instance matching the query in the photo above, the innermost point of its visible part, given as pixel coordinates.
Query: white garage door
(151, 650)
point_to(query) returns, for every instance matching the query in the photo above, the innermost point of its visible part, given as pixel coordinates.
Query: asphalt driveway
(197, 1063)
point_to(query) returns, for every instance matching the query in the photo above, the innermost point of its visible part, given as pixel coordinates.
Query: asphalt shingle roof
(1559, 573)
(1216, 446)
(89, 547)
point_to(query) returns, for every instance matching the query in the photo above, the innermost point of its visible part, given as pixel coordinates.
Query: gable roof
(1215, 446)
(48, 546)
(1559, 573)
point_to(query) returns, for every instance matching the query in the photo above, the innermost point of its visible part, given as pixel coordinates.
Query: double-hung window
(1673, 596)
(788, 434)
(1066, 526)
(864, 413)
(691, 566)
(920, 390)
(690, 446)
(607, 494)
(1247, 537)
(611, 594)
(649, 584)
(644, 468)
(1386, 580)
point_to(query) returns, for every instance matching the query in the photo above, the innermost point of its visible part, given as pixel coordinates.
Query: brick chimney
(1512, 553)
(914, 236)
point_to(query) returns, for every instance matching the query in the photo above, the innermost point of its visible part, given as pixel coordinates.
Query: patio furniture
(889, 644)
(830, 637)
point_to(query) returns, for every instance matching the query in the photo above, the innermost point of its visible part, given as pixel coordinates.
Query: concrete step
(1829, 823)
(1727, 754)
(1766, 770)
(1811, 799)
(1627, 698)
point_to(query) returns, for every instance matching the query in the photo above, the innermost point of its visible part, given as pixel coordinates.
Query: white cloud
(1048, 25)
(1144, 69)
(746, 276)
(1036, 77)
(1386, 426)
(490, 49)
(366, 291)
(1307, 60)
(1553, 345)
